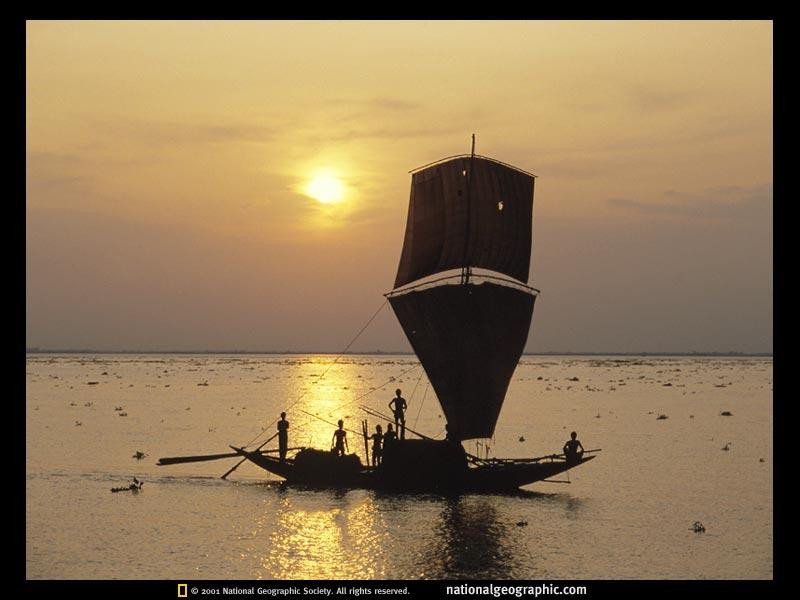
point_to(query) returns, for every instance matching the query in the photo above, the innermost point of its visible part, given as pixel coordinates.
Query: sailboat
(462, 298)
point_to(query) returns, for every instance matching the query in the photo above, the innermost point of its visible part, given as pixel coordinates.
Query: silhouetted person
(339, 440)
(283, 436)
(399, 406)
(377, 451)
(573, 449)
(389, 438)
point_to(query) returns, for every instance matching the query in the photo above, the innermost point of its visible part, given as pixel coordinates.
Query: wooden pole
(465, 269)
(365, 428)
(237, 465)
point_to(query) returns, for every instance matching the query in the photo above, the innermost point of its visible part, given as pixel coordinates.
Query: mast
(465, 269)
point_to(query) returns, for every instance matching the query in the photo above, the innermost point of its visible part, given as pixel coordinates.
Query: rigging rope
(342, 353)
(415, 385)
(383, 385)
(421, 405)
(388, 381)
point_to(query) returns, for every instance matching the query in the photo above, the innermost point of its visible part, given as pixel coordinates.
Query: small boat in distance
(462, 298)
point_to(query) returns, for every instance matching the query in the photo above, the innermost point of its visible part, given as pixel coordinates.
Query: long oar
(477, 459)
(237, 465)
(562, 455)
(326, 421)
(174, 460)
(375, 413)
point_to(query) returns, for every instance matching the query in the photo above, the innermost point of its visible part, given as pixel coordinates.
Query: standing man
(283, 436)
(377, 450)
(399, 406)
(389, 438)
(339, 440)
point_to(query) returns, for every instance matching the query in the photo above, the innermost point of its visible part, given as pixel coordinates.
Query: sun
(325, 187)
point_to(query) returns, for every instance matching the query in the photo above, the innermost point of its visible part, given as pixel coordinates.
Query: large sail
(469, 339)
(461, 215)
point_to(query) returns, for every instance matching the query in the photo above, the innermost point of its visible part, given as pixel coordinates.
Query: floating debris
(522, 523)
(118, 408)
(522, 438)
(92, 382)
(698, 527)
(123, 414)
(572, 379)
(204, 383)
(760, 460)
(726, 447)
(78, 423)
(89, 404)
(134, 487)
(139, 455)
(661, 417)
(667, 384)
(726, 413)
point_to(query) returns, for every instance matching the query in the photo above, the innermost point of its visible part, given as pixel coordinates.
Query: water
(626, 514)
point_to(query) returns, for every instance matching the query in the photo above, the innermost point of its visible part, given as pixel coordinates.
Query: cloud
(200, 131)
(567, 169)
(733, 202)
(379, 102)
(654, 99)
(399, 132)
(52, 172)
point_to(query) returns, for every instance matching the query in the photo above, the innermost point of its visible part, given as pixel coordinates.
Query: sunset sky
(244, 185)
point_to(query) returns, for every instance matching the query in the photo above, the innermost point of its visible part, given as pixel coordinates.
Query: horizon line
(378, 352)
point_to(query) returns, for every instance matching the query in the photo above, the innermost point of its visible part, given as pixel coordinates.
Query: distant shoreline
(382, 353)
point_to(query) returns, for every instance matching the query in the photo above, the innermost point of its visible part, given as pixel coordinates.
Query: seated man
(571, 449)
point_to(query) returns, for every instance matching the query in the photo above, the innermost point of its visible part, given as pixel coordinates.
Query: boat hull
(432, 476)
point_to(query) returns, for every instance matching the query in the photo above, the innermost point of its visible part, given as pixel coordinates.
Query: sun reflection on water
(329, 398)
(345, 542)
